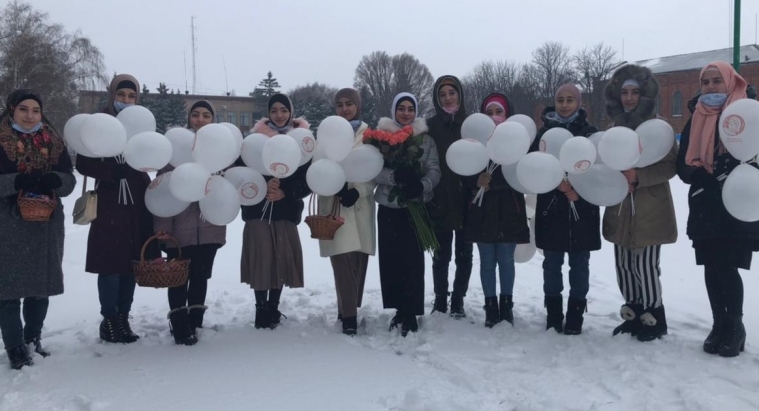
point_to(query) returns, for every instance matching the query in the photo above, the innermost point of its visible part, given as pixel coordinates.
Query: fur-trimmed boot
(492, 316)
(127, 335)
(717, 334)
(19, 357)
(654, 324)
(506, 309)
(734, 339)
(180, 327)
(631, 314)
(554, 313)
(575, 309)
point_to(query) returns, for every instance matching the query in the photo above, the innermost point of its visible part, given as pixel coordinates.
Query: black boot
(506, 309)
(350, 326)
(181, 327)
(554, 313)
(714, 339)
(274, 315)
(457, 307)
(631, 314)
(195, 316)
(110, 331)
(654, 324)
(409, 324)
(441, 303)
(492, 316)
(19, 357)
(263, 320)
(396, 321)
(38, 347)
(575, 309)
(734, 340)
(127, 335)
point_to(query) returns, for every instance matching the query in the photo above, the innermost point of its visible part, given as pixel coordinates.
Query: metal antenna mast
(194, 50)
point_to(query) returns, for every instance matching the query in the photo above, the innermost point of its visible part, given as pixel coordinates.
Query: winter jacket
(555, 226)
(188, 227)
(359, 231)
(31, 253)
(290, 208)
(649, 89)
(448, 205)
(708, 218)
(502, 218)
(429, 162)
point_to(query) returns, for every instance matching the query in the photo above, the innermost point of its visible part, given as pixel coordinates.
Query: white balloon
(103, 135)
(739, 128)
(215, 147)
(72, 133)
(510, 174)
(363, 164)
(148, 151)
(577, 155)
(467, 157)
(249, 183)
(335, 135)
(159, 200)
(525, 252)
(509, 143)
(528, 124)
(222, 204)
(325, 177)
(539, 172)
(181, 140)
(281, 156)
(553, 139)
(306, 141)
(600, 185)
(478, 126)
(596, 138)
(741, 193)
(620, 148)
(236, 133)
(252, 147)
(656, 139)
(136, 119)
(190, 182)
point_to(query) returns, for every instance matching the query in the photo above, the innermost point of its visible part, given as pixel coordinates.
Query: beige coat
(359, 231)
(654, 221)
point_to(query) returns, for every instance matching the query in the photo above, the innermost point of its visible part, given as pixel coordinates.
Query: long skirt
(271, 255)
(401, 262)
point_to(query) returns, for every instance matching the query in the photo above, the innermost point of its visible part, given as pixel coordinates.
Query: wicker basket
(323, 227)
(161, 274)
(36, 209)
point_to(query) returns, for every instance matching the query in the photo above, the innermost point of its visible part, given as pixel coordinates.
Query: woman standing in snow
(271, 252)
(33, 159)
(722, 243)
(354, 242)
(638, 235)
(558, 232)
(122, 225)
(497, 226)
(401, 259)
(199, 240)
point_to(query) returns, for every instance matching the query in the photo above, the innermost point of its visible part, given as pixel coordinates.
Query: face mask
(118, 105)
(355, 124)
(498, 119)
(451, 110)
(24, 131)
(713, 99)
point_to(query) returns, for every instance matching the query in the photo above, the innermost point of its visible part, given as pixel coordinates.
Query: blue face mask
(20, 129)
(713, 99)
(118, 105)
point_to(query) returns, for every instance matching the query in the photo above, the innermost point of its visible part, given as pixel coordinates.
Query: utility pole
(737, 36)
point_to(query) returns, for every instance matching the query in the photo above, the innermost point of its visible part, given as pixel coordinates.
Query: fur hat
(649, 89)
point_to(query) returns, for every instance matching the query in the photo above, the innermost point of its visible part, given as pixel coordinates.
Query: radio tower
(194, 50)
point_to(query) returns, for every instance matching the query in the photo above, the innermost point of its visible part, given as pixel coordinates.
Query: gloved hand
(413, 189)
(342, 191)
(50, 181)
(26, 182)
(702, 178)
(349, 198)
(405, 176)
(120, 171)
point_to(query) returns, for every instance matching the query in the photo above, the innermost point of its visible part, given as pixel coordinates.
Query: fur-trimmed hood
(649, 89)
(387, 124)
(262, 126)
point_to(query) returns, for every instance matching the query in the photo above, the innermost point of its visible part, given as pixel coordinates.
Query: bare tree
(488, 77)
(37, 54)
(313, 101)
(595, 64)
(554, 67)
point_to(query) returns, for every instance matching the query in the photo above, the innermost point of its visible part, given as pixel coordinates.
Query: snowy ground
(307, 364)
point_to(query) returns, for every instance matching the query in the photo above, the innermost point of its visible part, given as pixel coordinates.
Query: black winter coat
(555, 226)
(289, 208)
(502, 218)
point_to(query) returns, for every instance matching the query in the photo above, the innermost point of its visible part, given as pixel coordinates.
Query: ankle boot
(195, 316)
(492, 317)
(631, 314)
(350, 326)
(506, 309)
(654, 324)
(396, 321)
(37, 343)
(734, 337)
(714, 339)
(554, 313)
(457, 307)
(575, 309)
(440, 304)
(181, 327)
(263, 319)
(409, 323)
(127, 335)
(19, 357)
(275, 315)
(109, 330)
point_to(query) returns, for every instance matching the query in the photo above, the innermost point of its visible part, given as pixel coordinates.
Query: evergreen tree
(167, 107)
(267, 87)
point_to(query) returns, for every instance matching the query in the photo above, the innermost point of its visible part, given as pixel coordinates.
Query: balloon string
(481, 192)
(632, 203)
(266, 207)
(574, 210)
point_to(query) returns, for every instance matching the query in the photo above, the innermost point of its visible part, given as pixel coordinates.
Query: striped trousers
(638, 274)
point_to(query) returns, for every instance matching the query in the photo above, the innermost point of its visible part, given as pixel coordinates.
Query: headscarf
(572, 89)
(400, 98)
(118, 82)
(203, 104)
(285, 101)
(499, 100)
(353, 96)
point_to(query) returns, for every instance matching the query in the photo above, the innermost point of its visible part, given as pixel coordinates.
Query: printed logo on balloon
(308, 144)
(279, 169)
(732, 126)
(209, 183)
(582, 166)
(249, 191)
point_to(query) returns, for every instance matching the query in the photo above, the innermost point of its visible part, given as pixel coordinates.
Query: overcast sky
(303, 41)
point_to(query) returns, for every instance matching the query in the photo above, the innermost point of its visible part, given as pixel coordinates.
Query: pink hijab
(704, 121)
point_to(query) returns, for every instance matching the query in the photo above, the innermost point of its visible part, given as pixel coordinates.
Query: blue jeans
(579, 274)
(116, 293)
(503, 255)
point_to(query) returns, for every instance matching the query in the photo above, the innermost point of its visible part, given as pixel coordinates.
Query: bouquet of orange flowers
(402, 149)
